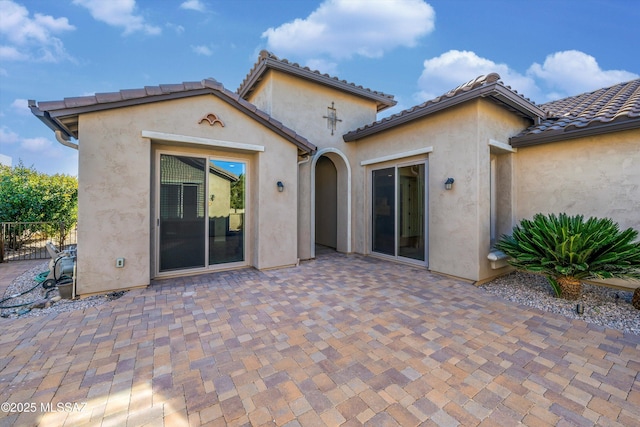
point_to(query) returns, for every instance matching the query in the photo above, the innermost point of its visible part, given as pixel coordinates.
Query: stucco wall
(595, 176)
(459, 219)
(116, 196)
(302, 105)
(113, 204)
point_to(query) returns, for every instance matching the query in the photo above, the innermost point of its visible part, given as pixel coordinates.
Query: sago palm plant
(568, 249)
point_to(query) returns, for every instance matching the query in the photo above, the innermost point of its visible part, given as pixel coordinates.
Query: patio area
(340, 340)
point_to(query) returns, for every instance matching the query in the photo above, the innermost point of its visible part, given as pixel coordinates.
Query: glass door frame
(396, 206)
(156, 194)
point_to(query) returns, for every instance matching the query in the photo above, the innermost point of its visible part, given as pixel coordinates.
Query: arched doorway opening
(326, 203)
(331, 201)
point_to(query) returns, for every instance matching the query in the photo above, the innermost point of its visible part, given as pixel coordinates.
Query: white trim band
(425, 150)
(170, 137)
(502, 146)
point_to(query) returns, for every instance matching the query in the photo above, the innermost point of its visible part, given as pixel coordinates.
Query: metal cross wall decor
(332, 118)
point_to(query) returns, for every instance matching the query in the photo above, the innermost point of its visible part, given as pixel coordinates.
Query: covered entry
(331, 201)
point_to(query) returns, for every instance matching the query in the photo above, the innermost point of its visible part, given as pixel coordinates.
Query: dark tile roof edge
(267, 60)
(573, 132)
(481, 87)
(605, 110)
(51, 113)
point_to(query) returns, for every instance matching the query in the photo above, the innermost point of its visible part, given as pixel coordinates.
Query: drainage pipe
(62, 139)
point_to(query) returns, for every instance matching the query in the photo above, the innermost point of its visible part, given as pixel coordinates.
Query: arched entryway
(326, 203)
(331, 201)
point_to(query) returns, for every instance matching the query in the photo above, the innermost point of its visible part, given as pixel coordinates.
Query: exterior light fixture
(448, 184)
(580, 308)
(280, 186)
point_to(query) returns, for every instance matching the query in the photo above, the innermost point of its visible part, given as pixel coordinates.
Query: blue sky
(413, 49)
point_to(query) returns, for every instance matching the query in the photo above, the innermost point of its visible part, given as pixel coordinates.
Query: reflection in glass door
(182, 212)
(411, 212)
(384, 213)
(398, 211)
(201, 212)
(226, 205)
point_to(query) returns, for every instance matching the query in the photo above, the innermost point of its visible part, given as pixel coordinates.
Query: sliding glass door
(182, 212)
(201, 212)
(398, 212)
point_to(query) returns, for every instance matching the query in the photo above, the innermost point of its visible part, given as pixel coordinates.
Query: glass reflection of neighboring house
(182, 211)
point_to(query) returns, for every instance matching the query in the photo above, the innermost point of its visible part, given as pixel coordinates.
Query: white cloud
(179, 29)
(7, 136)
(36, 144)
(324, 66)
(10, 53)
(453, 68)
(202, 50)
(196, 5)
(31, 38)
(562, 74)
(118, 13)
(21, 106)
(573, 72)
(341, 29)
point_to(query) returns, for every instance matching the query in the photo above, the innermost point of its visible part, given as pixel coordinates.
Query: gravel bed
(603, 306)
(26, 281)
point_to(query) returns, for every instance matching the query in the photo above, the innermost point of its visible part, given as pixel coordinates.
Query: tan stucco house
(190, 178)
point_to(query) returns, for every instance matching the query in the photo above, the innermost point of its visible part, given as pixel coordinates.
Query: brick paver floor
(341, 340)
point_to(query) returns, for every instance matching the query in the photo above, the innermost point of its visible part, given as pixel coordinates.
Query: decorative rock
(19, 290)
(39, 304)
(611, 308)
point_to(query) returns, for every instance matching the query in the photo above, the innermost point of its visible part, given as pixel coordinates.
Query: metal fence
(27, 240)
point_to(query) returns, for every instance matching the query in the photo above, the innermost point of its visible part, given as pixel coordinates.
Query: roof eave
(53, 118)
(494, 90)
(382, 102)
(518, 103)
(51, 122)
(573, 133)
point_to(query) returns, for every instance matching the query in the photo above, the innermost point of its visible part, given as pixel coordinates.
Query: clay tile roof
(604, 110)
(486, 86)
(267, 60)
(63, 115)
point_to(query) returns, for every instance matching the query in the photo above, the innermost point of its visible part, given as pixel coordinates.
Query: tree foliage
(568, 247)
(237, 193)
(27, 195)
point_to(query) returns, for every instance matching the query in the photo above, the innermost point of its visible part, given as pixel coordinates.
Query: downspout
(63, 139)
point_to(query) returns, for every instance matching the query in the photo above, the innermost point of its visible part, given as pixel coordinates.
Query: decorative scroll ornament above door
(212, 119)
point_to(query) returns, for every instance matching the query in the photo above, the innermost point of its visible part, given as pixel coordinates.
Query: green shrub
(568, 249)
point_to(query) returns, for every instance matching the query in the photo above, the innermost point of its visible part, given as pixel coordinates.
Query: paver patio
(340, 340)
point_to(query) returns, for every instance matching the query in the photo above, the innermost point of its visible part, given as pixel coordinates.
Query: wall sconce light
(280, 186)
(448, 184)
